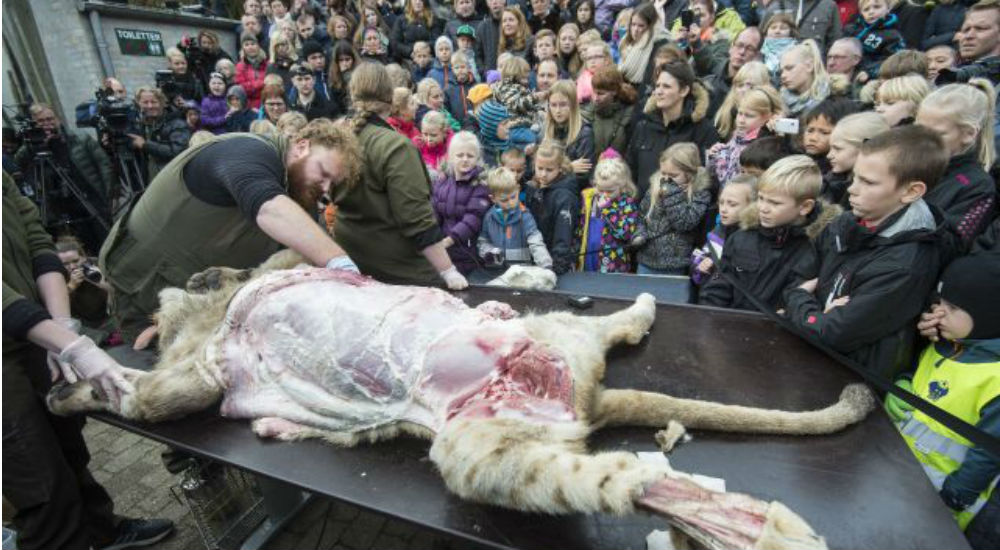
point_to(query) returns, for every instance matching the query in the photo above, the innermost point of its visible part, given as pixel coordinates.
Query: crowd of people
(833, 161)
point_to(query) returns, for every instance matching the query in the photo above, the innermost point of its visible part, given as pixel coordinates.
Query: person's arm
(879, 304)
(468, 227)
(963, 486)
(287, 223)
(717, 291)
(685, 215)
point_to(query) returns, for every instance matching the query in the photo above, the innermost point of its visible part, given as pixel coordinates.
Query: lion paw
(215, 278)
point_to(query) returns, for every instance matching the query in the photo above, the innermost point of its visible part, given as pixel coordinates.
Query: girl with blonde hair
(962, 114)
(461, 199)
(567, 51)
(759, 106)
(897, 99)
(672, 210)
(609, 219)
(804, 80)
(553, 200)
(564, 123)
(845, 144)
(750, 75)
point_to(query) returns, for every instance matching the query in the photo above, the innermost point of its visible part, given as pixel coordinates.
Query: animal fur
(525, 465)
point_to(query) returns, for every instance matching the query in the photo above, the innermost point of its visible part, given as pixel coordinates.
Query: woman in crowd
(566, 51)
(418, 24)
(611, 110)
(374, 46)
(282, 58)
(515, 34)
(564, 124)
(645, 33)
(273, 104)
(804, 81)
(749, 76)
(582, 15)
(251, 69)
(677, 111)
(390, 203)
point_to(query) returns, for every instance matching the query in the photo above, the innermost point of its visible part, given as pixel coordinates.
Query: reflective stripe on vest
(928, 441)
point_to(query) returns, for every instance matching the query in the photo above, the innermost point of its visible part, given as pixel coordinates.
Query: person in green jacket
(232, 201)
(58, 503)
(386, 222)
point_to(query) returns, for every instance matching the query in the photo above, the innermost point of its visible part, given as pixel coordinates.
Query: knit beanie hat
(973, 284)
(247, 37)
(310, 47)
(480, 93)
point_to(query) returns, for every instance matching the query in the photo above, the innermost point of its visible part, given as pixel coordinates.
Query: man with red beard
(232, 202)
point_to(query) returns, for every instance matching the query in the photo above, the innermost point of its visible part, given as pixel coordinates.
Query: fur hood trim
(823, 213)
(695, 105)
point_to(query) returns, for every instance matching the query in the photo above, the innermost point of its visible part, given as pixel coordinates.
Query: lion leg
(216, 278)
(640, 408)
(629, 325)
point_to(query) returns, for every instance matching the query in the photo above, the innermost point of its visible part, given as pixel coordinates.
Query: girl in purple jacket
(461, 198)
(213, 105)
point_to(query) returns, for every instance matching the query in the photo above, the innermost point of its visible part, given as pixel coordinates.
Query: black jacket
(651, 136)
(405, 34)
(835, 187)
(487, 43)
(766, 261)
(319, 107)
(912, 20)
(942, 24)
(888, 273)
(556, 209)
(967, 197)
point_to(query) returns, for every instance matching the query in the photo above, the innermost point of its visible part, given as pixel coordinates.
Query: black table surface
(860, 488)
(668, 289)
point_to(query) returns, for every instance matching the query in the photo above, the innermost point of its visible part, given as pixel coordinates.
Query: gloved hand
(56, 367)
(343, 262)
(896, 407)
(91, 363)
(454, 279)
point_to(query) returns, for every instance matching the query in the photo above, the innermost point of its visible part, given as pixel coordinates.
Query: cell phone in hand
(687, 17)
(787, 126)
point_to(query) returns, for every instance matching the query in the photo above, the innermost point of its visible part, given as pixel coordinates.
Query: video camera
(192, 52)
(27, 131)
(167, 83)
(108, 114)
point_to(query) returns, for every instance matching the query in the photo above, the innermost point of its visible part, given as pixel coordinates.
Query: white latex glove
(91, 363)
(58, 368)
(454, 279)
(343, 262)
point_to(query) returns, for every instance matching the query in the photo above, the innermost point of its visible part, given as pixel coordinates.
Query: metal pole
(102, 46)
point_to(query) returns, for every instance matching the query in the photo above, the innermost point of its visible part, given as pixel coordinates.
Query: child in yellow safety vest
(960, 373)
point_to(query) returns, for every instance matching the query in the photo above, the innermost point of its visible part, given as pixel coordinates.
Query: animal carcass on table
(508, 401)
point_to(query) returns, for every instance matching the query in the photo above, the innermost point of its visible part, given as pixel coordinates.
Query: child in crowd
(466, 37)
(671, 211)
(845, 144)
(460, 199)
(515, 161)
(435, 135)
(774, 249)
(510, 234)
(521, 104)
(897, 99)
(457, 92)
(761, 154)
(554, 202)
(545, 50)
(780, 33)
(227, 69)
(818, 124)
(960, 373)
(431, 98)
(489, 115)
(609, 219)
(878, 262)
(750, 75)
(736, 196)
(962, 114)
(290, 123)
(423, 60)
(758, 107)
(940, 57)
(240, 115)
(403, 113)
(213, 105)
(878, 30)
(441, 70)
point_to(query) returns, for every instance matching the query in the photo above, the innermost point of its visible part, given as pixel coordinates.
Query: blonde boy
(510, 234)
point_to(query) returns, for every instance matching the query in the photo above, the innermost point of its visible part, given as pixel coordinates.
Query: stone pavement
(129, 467)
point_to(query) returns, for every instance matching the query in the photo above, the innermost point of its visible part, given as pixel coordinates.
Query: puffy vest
(962, 389)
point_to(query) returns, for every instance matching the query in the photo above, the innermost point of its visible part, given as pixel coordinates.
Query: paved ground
(129, 467)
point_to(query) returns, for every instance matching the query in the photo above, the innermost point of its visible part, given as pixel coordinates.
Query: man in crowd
(720, 72)
(488, 36)
(844, 57)
(978, 45)
(86, 165)
(315, 58)
(251, 25)
(158, 135)
(304, 98)
(231, 202)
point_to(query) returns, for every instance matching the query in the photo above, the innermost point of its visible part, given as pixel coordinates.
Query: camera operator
(978, 45)
(83, 160)
(202, 53)
(182, 82)
(158, 135)
(116, 88)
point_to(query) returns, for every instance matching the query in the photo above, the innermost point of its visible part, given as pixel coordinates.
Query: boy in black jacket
(878, 31)
(774, 248)
(554, 202)
(877, 263)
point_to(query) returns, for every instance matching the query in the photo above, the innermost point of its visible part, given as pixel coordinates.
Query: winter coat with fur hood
(887, 271)
(766, 261)
(651, 136)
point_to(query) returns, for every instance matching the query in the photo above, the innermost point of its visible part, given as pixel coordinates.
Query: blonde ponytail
(969, 105)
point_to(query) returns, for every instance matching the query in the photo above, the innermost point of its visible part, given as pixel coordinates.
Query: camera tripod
(43, 171)
(131, 182)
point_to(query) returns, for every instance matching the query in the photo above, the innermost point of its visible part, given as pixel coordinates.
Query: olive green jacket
(385, 220)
